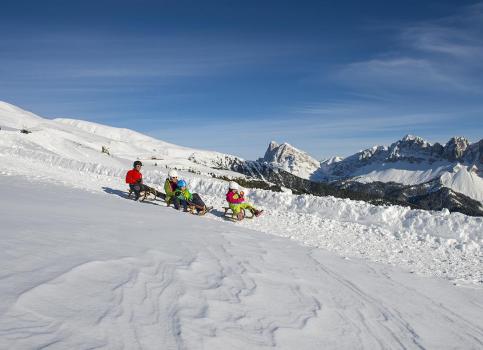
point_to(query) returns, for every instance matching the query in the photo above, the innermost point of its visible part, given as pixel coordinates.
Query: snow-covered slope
(465, 180)
(67, 140)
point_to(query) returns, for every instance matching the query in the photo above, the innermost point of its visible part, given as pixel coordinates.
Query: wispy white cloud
(459, 36)
(349, 118)
(322, 130)
(83, 56)
(459, 43)
(400, 73)
(443, 55)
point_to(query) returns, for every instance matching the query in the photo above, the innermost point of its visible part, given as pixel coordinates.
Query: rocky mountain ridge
(410, 149)
(290, 159)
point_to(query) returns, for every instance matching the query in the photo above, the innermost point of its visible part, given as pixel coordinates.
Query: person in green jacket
(184, 198)
(170, 186)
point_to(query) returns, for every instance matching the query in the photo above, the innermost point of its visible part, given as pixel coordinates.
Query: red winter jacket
(133, 176)
(234, 197)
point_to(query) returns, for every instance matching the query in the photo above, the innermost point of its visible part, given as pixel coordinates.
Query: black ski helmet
(137, 162)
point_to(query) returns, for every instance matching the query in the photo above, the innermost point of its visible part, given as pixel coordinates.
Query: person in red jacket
(135, 180)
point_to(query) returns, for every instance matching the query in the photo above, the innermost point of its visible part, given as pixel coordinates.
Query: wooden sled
(192, 208)
(231, 215)
(143, 195)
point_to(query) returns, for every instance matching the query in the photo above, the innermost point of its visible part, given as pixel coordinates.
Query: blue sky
(329, 77)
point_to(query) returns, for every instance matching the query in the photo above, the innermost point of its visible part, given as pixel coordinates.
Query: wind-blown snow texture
(84, 271)
(83, 268)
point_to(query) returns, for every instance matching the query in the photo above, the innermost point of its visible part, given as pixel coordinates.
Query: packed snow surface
(84, 270)
(83, 267)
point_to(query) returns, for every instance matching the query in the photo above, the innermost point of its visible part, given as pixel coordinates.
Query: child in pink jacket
(236, 201)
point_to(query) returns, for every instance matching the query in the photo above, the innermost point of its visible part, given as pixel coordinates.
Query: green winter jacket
(183, 195)
(168, 189)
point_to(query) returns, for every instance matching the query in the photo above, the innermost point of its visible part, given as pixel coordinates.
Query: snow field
(87, 270)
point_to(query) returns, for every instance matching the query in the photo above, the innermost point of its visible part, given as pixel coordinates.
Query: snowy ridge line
(66, 163)
(114, 133)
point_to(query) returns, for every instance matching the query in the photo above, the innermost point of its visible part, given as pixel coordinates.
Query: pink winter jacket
(234, 198)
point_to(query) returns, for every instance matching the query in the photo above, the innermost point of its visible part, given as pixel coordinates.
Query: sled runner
(193, 209)
(204, 210)
(232, 216)
(146, 194)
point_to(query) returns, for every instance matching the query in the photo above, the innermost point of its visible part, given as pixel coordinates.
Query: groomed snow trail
(83, 270)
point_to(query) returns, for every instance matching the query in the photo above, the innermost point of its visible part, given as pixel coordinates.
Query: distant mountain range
(457, 165)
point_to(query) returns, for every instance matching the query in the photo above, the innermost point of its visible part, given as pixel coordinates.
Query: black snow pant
(178, 203)
(138, 188)
(196, 201)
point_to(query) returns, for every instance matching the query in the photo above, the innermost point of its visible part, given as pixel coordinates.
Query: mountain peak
(412, 139)
(458, 140)
(273, 144)
(455, 148)
(409, 137)
(289, 158)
